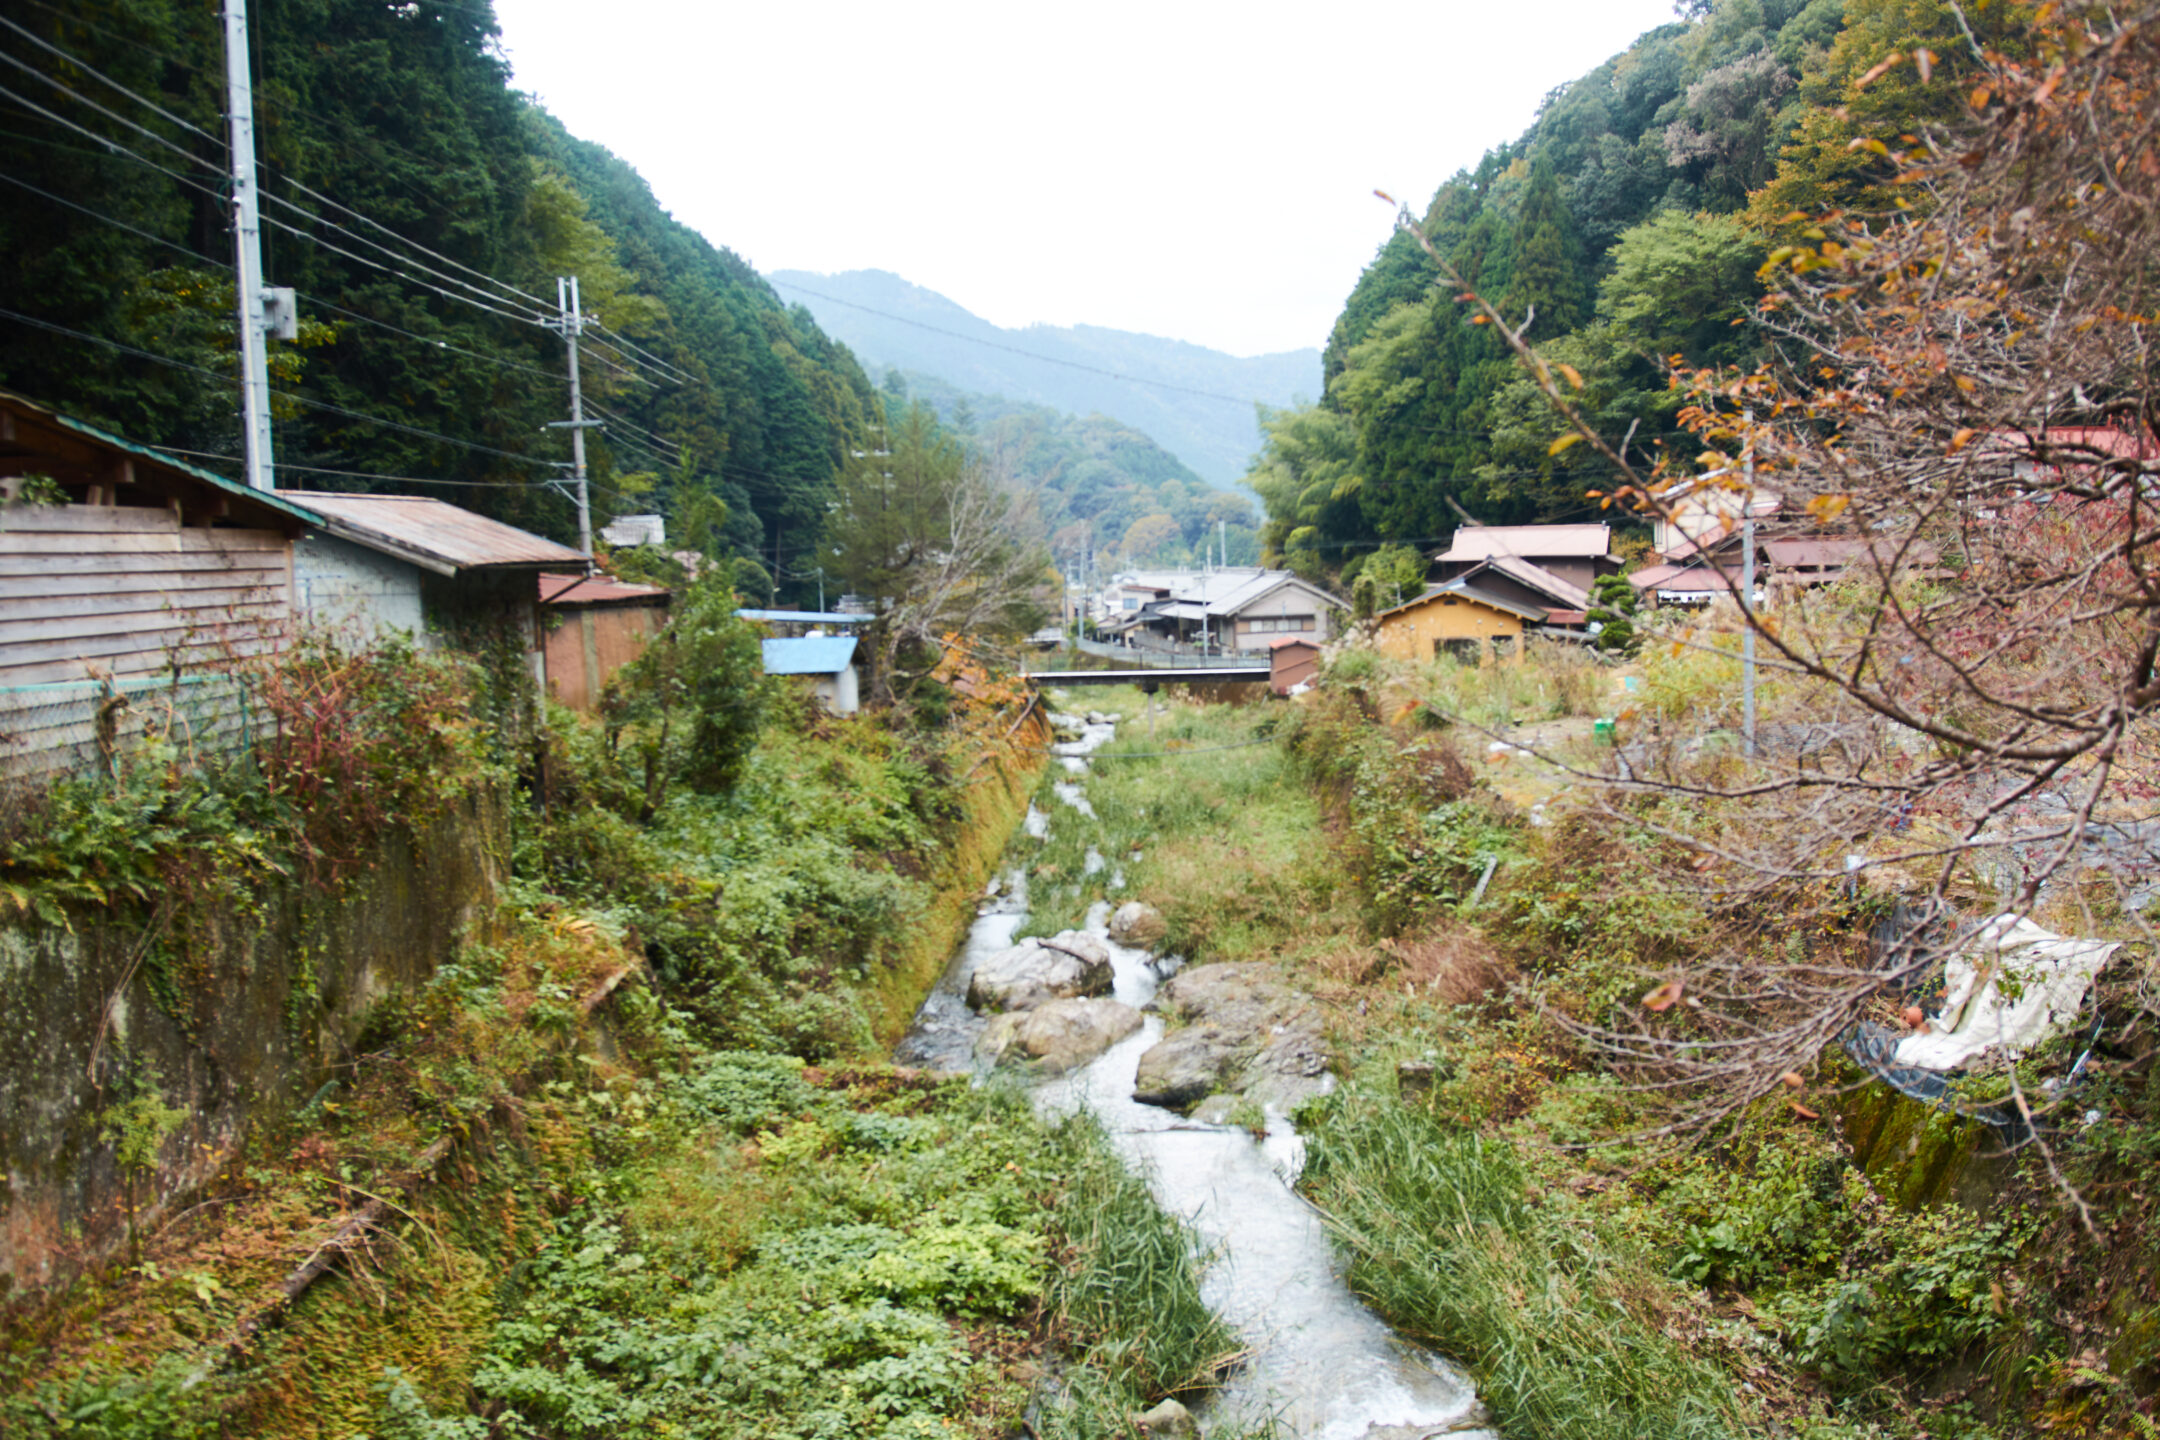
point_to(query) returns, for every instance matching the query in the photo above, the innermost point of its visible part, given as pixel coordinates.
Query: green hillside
(1629, 221)
(423, 210)
(1105, 493)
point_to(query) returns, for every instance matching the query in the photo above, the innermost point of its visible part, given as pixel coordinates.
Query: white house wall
(349, 587)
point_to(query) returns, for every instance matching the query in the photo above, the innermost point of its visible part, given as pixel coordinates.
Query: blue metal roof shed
(812, 655)
(827, 659)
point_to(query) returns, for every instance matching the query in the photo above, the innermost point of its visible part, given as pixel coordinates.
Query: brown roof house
(1575, 554)
(437, 572)
(594, 626)
(1456, 621)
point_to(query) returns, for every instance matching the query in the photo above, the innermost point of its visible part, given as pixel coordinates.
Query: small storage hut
(1292, 661)
(127, 580)
(594, 627)
(402, 562)
(829, 661)
(1456, 621)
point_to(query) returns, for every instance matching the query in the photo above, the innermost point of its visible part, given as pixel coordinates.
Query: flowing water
(1320, 1361)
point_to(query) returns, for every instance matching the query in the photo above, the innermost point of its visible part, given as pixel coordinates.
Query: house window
(1274, 623)
(1131, 602)
(1462, 652)
(1502, 646)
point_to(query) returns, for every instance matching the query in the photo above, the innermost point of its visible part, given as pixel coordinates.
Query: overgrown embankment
(1506, 1184)
(1830, 1262)
(629, 1160)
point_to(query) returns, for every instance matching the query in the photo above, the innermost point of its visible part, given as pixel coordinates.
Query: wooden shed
(1292, 661)
(1456, 621)
(128, 582)
(428, 567)
(594, 626)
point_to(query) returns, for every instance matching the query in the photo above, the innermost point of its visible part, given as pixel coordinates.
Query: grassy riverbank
(637, 1165)
(1756, 1281)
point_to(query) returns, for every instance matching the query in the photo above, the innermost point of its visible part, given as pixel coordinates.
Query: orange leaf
(1665, 996)
(1980, 96)
(1804, 1113)
(1897, 58)
(1960, 440)
(1573, 376)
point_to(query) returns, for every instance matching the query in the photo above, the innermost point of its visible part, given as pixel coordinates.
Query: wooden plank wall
(102, 599)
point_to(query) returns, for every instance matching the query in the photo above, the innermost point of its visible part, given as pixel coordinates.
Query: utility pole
(572, 325)
(254, 303)
(1747, 585)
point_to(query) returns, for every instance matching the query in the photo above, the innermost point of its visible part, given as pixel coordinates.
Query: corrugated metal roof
(811, 655)
(1464, 590)
(434, 534)
(805, 617)
(594, 590)
(1483, 542)
(1694, 579)
(1538, 578)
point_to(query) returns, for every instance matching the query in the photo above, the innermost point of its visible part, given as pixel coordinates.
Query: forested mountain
(1631, 219)
(422, 210)
(1106, 494)
(1197, 403)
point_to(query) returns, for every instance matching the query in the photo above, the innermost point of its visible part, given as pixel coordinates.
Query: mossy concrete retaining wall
(1919, 1155)
(234, 1028)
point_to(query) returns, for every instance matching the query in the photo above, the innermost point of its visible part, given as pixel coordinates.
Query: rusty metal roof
(434, 534)
(1529, 542)
(558, 589)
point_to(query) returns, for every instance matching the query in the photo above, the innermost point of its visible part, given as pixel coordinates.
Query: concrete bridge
(1156, 676)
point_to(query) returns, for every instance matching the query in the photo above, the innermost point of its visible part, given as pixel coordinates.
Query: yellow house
(1456, 621)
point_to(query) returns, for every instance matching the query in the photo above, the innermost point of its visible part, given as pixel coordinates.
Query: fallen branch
(349, 1233)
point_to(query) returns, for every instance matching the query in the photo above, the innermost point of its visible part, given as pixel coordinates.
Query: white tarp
(2012, 987)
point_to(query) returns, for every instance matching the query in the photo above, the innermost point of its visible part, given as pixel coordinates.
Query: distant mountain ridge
(1195, 402)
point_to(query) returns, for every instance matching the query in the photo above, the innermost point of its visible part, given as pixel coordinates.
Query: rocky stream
(1090, 1013)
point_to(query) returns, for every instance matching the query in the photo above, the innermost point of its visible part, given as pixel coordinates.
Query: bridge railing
(1140, 657)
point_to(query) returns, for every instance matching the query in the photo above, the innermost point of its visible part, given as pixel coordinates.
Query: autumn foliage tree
(1960, 394)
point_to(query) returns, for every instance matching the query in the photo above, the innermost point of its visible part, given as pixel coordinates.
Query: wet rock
(1096, 717)
(1060, 1034)
(1066, 728)
(1167, 1421)
(1181, 1070)
(1137, 924)
(1245, 1033)
(1065, 966)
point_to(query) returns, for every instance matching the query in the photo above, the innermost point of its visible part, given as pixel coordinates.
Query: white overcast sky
(1202, 171)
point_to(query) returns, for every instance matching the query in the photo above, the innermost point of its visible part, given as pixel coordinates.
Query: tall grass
(1129, 1290)
(1556, 1321)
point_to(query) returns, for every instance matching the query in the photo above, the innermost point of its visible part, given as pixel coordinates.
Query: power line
(89, 69)
(625, 343)
(426, 340)
(312, 299)
(113, 146)
(477, 304)
(280, 394)
(538, 305)
(1014, 349)
(118, 224)
(81, 99)
(538, 314)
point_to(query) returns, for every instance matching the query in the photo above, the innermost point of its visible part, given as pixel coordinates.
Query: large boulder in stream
(1059, 1035)
(1066, 966)
(1244, 1032)
(1138, 924)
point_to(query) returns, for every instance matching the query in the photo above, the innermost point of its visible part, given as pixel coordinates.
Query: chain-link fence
(82, 726)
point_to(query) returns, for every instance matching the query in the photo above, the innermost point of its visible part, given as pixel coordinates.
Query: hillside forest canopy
(1628, 227)
(422, 209)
